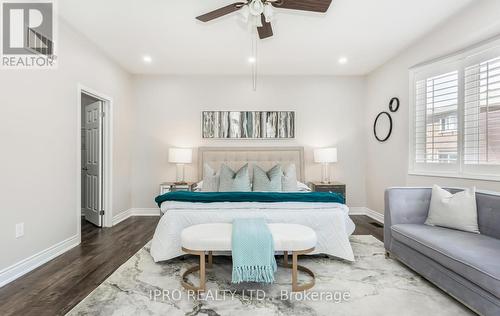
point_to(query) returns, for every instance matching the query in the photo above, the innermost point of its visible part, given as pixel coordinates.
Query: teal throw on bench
(253, 251)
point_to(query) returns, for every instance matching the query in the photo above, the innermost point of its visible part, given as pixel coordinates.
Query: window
(448, 123)
(455, 115)
(447, 156)
(436, 105)
(482, 113)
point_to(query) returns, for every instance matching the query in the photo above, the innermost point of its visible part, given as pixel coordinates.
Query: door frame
(107, 162)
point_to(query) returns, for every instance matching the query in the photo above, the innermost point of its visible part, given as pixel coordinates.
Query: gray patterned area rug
(373, 285)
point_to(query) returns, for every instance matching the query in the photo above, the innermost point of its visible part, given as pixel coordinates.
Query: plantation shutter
(455, 115)
(482, 109)
(436, 118)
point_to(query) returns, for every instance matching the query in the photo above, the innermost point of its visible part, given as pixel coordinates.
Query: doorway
(94, 176)
(92, 159)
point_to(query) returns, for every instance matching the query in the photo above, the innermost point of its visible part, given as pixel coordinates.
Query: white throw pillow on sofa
(457, 211)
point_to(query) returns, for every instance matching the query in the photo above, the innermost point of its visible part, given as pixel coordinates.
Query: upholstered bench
(207, 238)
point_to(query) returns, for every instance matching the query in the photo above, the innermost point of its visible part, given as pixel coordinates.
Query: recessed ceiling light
(343, 60)
(252, 59)
(147, 59)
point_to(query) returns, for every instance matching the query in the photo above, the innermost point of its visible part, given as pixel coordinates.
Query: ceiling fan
(262, 11)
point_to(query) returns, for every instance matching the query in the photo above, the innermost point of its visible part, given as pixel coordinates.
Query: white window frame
(445, 124)
(451, 62)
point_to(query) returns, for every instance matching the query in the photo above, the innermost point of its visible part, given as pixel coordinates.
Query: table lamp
(180, 156)
(325, 156)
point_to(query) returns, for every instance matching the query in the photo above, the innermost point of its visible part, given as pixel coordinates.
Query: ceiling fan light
(257, 21)
(245, 13)
(256, 7)
(268, 12)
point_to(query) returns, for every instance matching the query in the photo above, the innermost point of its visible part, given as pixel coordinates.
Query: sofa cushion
(474, 257)
(458, 211)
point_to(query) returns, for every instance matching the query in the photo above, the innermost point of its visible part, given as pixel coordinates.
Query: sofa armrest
(404, 206)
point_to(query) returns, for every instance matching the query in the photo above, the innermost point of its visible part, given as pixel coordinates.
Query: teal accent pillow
(267, 181)
(230, 181)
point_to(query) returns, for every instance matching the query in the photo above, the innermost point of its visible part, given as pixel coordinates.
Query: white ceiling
(367, 32)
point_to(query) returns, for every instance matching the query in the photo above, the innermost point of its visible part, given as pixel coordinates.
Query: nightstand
(166, 187)
(335, 187)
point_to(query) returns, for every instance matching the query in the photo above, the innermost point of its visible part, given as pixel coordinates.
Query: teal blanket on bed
(268, 197)
(253, 251)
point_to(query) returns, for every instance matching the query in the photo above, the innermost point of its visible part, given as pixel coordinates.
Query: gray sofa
(465, 265)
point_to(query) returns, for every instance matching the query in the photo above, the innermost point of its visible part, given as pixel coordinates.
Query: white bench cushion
(217, 237)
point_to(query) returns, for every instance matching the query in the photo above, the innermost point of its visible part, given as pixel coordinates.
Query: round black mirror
(394, 105)
(382, 127)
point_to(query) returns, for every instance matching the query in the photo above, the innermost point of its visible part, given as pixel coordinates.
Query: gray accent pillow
(458, 211)
(231, 181)
(267, 181)
(210, 179)
(289, 179)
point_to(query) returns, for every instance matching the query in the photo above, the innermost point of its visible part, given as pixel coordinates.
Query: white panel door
(93, 163)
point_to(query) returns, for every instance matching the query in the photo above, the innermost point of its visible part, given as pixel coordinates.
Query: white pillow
(211, 179)
(289, 178)
(458, 211)
(302, 187)
(198, 186)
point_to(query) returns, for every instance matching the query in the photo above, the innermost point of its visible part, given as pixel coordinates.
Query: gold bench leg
(210, 260)
(200, 267)
(202, 270)
(295, 267)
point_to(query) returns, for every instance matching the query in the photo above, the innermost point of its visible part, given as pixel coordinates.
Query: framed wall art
(248, 124)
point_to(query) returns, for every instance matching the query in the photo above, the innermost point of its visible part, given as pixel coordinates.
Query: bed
(330, 221)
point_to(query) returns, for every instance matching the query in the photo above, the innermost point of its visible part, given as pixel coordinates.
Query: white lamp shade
(268, 12)
(180, 155)
(256, 7)
(325, 155)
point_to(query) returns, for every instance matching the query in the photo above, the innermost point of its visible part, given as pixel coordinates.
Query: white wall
(387, 164)
(329, 112)
(38, 132)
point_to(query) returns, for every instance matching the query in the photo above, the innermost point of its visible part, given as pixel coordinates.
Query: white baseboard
(357, 210)
(361, 210)
(22, 267)
(145, 211)
(120, 217)
(379, 217)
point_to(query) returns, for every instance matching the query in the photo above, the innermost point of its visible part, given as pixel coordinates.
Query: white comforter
(330, 221)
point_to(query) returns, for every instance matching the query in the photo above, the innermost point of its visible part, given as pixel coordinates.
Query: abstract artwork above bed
(248, 125)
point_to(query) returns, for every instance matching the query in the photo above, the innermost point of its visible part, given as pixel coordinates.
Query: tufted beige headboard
(264, 157)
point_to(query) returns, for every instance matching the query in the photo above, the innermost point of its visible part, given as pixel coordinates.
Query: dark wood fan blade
(304, 5)
(266, 30)
(220, 12)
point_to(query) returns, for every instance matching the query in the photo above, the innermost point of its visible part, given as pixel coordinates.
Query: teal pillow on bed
(267, 181)
(230, 181)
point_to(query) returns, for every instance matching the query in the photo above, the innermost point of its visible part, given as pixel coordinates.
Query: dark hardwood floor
(368, 226)
(57, 286)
